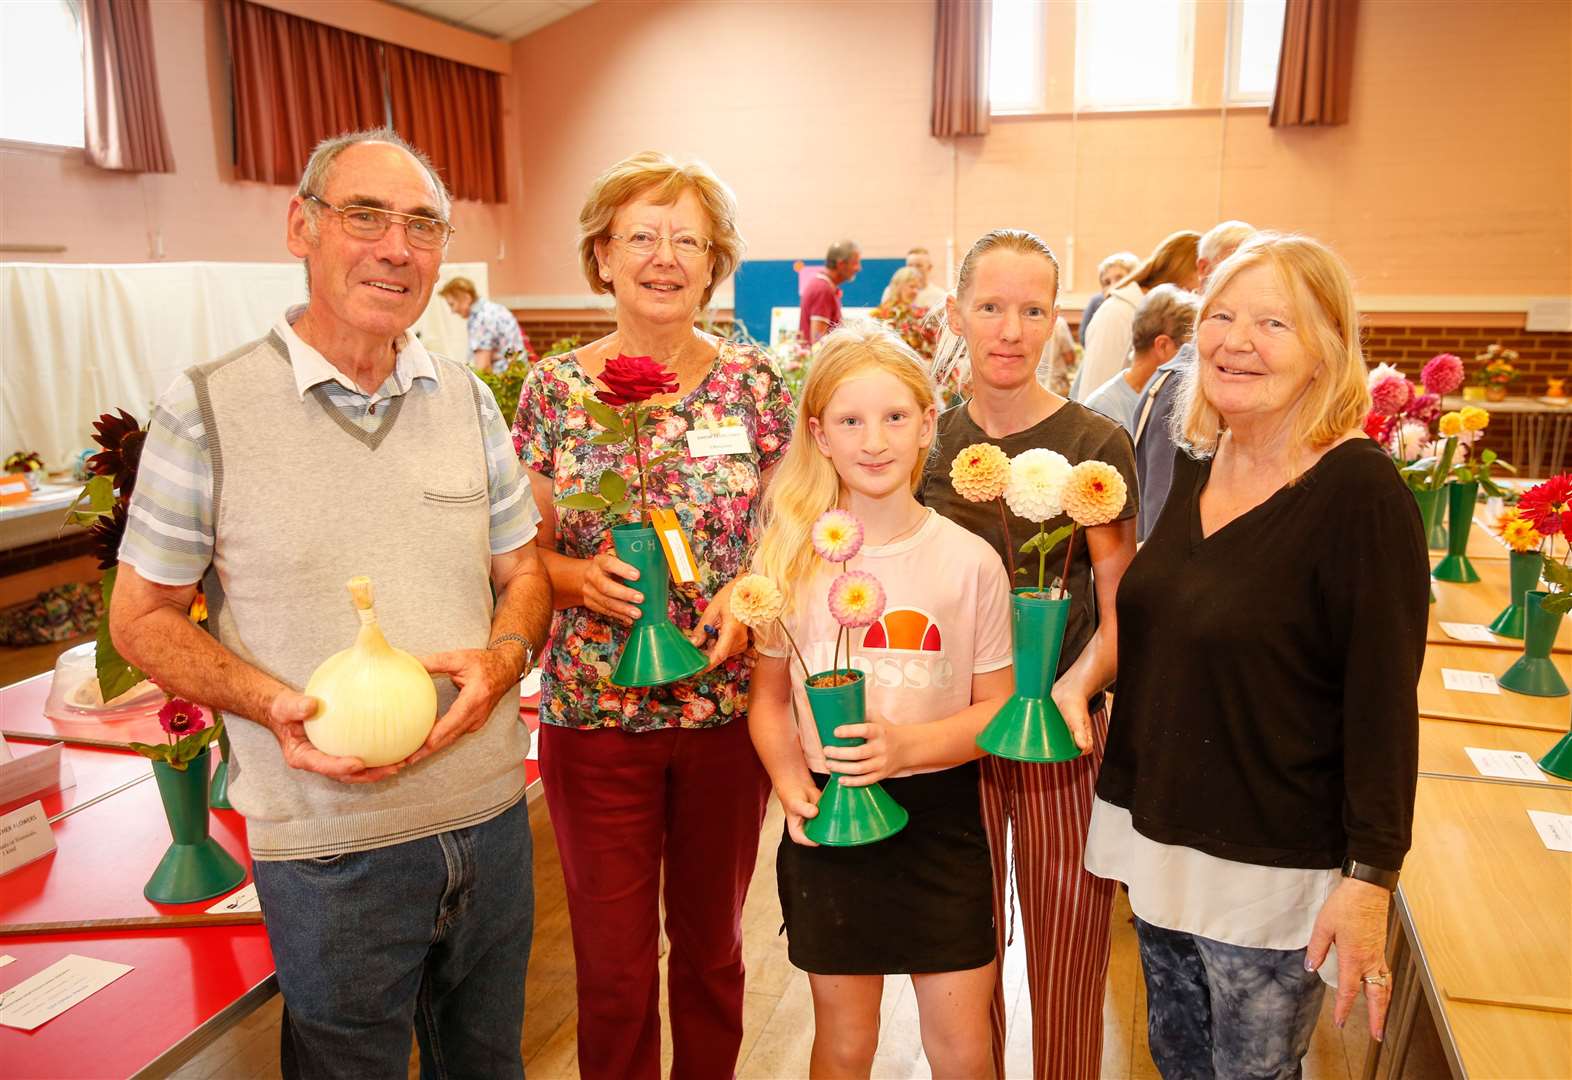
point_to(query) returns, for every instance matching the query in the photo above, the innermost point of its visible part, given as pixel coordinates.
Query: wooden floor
(778, 1013)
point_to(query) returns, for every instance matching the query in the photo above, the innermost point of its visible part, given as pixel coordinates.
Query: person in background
(401, 894)
(903, 288)
(654, 791)
(931, 294)
(1172, 262)
(494, 333)
(1151, 429)
(821, 296)
(1163, 324)
(1257, 796)
(1058, 359)
(1005, 309)
(1110, 272)
(899, 312)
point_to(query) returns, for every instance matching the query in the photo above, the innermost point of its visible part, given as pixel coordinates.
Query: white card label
(708, 442)
(4, 960)
(1468, 631)
(38, 773)
(679, 552)
(1554, 829)
(25, 835)
(1505, 764)
(240, 900)
(55, 989)
(1469, 682)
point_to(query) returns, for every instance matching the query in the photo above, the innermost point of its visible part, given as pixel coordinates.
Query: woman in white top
(1108, 338)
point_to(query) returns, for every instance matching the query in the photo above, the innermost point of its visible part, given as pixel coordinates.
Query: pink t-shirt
(946, 618)
(820, 299)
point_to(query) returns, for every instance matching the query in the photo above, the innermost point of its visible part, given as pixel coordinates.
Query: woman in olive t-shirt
(1005, 310)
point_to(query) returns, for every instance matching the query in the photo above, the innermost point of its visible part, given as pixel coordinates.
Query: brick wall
(545, 327)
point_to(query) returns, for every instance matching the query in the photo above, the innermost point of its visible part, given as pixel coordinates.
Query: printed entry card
(25, 836)
(1468, 631)
(55, 989)
(1505, 764)
(1554, 829)
(1469, 682)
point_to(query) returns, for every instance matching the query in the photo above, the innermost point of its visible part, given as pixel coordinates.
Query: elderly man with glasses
(337, 446)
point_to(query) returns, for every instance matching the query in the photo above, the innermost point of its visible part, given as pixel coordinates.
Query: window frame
(1038, 33)
(1185, 87)
(1232, 96)
(74, 9)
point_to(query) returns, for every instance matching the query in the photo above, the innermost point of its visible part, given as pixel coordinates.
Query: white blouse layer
(1180, 888)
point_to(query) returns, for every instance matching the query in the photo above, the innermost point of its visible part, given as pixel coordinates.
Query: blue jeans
(1219, 1010)
(432, 933)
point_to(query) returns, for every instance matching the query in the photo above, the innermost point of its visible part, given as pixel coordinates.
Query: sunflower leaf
(115, 673)
(96, 500)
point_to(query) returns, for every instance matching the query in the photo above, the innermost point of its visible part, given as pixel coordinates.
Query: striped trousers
(1046, 810)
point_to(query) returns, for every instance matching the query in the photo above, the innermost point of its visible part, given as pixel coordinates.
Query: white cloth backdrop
(80, 340)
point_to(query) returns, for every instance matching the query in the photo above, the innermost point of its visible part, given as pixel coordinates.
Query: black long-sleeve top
(1267, 709)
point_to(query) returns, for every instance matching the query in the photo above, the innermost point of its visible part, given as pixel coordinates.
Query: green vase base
(1558, 759)
(1438, 538)
(853, 816)
(1432, 596)
(191, 872)
(657, 653)
(1456, 569)
(1029, 729)
(218, 790)
(1535, 677)
(1509, 623)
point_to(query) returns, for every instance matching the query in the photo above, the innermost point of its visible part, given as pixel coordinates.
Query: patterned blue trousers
(1226, 1011)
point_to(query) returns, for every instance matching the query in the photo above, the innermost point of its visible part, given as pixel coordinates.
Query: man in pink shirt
(821, 297)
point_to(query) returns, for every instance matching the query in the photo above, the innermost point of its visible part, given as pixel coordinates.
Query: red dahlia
(1548, 506)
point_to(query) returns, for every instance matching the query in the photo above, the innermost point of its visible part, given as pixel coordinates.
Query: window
(1133, 53)
(1255, 41)
(1015, 61)
(40, 72)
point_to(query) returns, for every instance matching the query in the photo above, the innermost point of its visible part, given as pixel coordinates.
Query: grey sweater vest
(303, 501)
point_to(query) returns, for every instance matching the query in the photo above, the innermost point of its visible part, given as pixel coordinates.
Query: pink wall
(200, 211)
(1453, 180)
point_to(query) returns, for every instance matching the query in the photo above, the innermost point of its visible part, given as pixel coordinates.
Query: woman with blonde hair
(1108, 337)
(903, 288)
(1257, 793)
(918, 902)
(1005, 311)
(642, 781)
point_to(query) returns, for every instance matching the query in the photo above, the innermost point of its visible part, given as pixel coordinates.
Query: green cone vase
(1535, 673)
(218, 790)
(1435, 534)
(1430, 513)
(1523, 571)
(656, 652)
(848, 816)
(196, 867)
(1030, 727)
(1460, 517)
(1558, 759)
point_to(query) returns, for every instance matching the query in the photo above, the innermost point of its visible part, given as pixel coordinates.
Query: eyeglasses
(371, 223)
(685, 245)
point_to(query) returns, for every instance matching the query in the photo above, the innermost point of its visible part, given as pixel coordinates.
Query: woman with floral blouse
(640, 777)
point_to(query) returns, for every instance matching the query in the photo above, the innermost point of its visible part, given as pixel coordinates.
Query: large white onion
(378, 703)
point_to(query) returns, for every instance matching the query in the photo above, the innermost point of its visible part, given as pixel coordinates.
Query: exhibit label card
(55, 989)
(25, 835)
(1468, 631)
(1470, 682)
(35, 774)
(240, 900)
(1505, 764)
(1554, 829)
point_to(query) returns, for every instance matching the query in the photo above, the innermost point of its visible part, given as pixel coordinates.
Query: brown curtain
(453, 112)
(296, 82)
(960, 67)
(125, 122)
(1316, 67)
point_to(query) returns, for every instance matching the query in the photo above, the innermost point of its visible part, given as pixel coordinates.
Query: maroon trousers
(620, 803)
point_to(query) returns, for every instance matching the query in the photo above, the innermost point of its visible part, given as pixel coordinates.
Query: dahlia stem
(1009, 545)
(793, 643)
(1069, 549)
(1042, 557)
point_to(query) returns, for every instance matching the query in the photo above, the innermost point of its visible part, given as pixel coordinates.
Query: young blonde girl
(937, 667)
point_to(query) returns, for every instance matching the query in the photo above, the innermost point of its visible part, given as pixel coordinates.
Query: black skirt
(919, 901)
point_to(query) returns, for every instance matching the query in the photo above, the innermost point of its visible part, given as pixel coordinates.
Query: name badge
(710, 442)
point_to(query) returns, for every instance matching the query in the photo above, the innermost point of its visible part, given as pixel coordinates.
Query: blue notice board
(762, 284)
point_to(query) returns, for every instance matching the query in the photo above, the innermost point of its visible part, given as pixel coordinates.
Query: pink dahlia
(837, 536)
(856, 599)
(1379, 427)
(1442, 375)
(1390, 395)
(1426, 408)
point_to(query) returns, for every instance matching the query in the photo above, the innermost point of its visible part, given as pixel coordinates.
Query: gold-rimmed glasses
(684, 245)
(372, 223)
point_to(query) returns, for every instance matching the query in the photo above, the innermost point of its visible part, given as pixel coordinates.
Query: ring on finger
(1378, 979)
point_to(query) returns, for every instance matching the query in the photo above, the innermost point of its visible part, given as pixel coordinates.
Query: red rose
(632, 379)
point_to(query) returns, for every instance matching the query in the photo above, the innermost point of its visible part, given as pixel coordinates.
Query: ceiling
(505, 20)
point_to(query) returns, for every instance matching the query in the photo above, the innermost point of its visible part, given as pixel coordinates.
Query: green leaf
(609, 438)
(153, 751)
(605, 416)
(659, 459)
(1557, 573)
(95, 500)
(1030, 547)
(1487, 457)
(1053, 539)
(620, 509)
(583, 500)
(1557, 603)
(115, 673)
(613, 486)
(1491, 488)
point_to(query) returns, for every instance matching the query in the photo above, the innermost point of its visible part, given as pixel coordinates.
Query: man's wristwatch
(529, 650)
(1387, 879)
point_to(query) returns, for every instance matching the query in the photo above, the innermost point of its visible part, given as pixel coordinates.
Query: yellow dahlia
(1094, 494)
(1474, 418)
(980, 472)
(1450, 424)
(756, 601)
(1517, 533)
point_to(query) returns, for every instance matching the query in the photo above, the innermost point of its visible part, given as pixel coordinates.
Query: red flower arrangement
(630, 381)
(1548, 508)
(186, 731)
